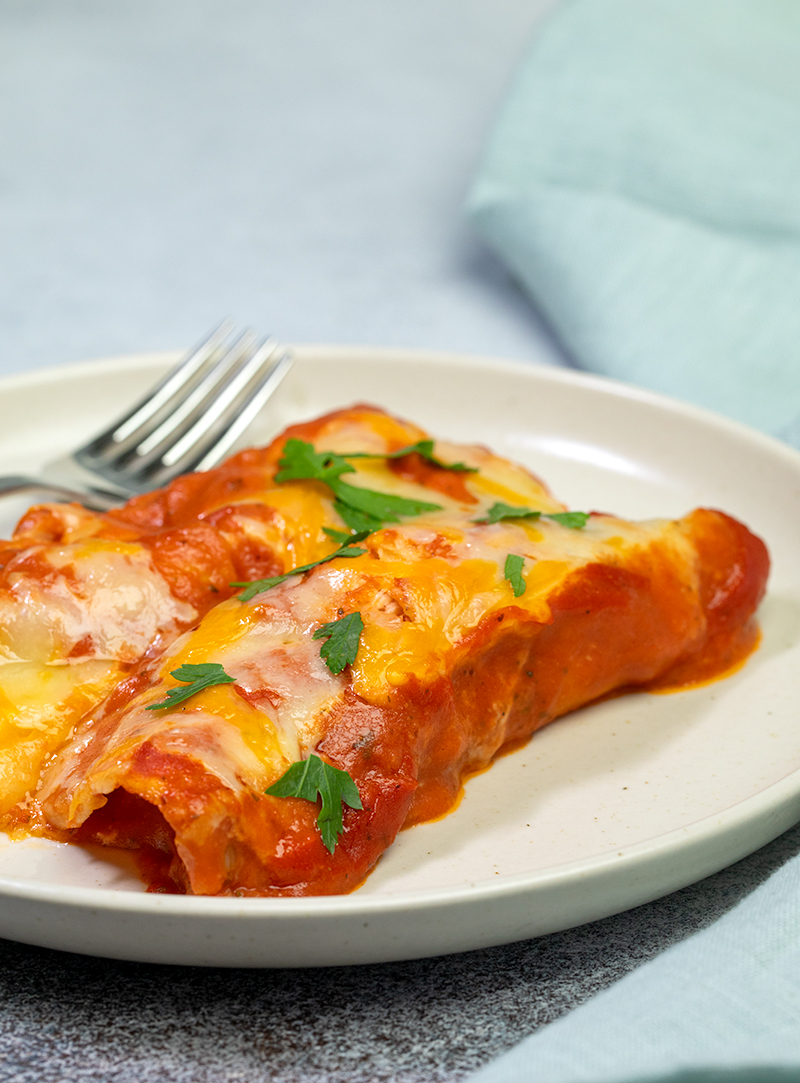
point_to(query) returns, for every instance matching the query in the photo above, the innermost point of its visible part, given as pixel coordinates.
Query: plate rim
(774, 799)
(398, 354)
(771, 798)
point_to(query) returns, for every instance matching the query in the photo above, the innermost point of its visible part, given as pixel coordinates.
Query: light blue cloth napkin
(643, 182)
(722, 1006)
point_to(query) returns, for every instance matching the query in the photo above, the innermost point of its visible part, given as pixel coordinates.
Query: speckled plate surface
(610, 807)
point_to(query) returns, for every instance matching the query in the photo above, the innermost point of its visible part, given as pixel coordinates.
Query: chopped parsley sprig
(361, 509)
(341, 536)
(342, 639)
(423, 448)
(499, 512)
(383, 507)
(196, 678)
(259, 585)
(311, 779)
(513, 573)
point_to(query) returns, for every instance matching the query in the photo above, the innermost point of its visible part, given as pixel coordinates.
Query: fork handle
(20, 483)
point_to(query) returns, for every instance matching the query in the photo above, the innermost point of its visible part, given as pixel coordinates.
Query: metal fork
(188, 421)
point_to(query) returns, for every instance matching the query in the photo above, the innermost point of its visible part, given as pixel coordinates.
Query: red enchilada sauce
(611, 628)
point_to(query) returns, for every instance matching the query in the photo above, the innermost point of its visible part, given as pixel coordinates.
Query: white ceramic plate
(606, 809)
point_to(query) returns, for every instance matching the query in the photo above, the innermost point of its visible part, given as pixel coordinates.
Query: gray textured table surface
(65, 1017)
(302, 167)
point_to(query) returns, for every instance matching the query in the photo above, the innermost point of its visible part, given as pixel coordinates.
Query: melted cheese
(70, 621)
(421, 592)
(423, 588)
(450, 665)
(294, 529)
(38, 706)
(91, 599)
(270, 651)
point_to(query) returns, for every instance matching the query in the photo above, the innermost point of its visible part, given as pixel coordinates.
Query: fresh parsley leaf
(425, 449)
(384, 507)
(342, 641)
(356, 520)
(340, 536)
(499, 512)
(422, 447)
(313, 778)
(361, 509)
(259, 585)
(196, 677)
(575, 520)
(301, 462)
(513, 573)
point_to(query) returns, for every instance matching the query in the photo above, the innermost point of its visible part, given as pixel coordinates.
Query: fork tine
(202, 434)
(158, 402)
(188, 422)
(215, 432)
(222, 439)
(199, 398)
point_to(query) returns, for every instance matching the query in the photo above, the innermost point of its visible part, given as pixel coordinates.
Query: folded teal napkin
(643, 182)
(722, 1007)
